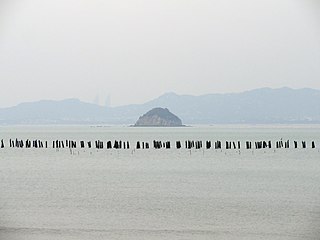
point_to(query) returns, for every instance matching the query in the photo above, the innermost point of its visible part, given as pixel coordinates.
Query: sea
(152, 194)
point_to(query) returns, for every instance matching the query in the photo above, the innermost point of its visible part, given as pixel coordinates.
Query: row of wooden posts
(188, 144)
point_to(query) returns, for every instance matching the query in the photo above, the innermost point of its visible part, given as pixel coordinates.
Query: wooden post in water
(287, 144)
(234, 145)
(97, 143)
(264, 144)
(115, 145)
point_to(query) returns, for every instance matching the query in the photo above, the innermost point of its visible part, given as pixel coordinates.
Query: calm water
(160, 194)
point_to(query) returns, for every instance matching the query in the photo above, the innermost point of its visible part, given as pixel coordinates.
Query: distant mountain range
(260, 106)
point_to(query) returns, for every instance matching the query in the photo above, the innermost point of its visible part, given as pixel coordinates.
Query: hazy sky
(135, 50)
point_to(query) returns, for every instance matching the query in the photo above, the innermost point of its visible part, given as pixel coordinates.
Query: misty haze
(130, 52)
(163, 119)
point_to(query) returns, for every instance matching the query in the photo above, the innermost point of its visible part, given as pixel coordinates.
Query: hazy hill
(53, 112)
(158, 117)
(264, 105)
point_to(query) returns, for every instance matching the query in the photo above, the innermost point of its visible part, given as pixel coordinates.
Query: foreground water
(160, 194)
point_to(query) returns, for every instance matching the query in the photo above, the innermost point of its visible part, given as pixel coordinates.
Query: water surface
(160, 194)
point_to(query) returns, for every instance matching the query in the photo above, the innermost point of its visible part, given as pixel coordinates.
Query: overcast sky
(136, 50)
